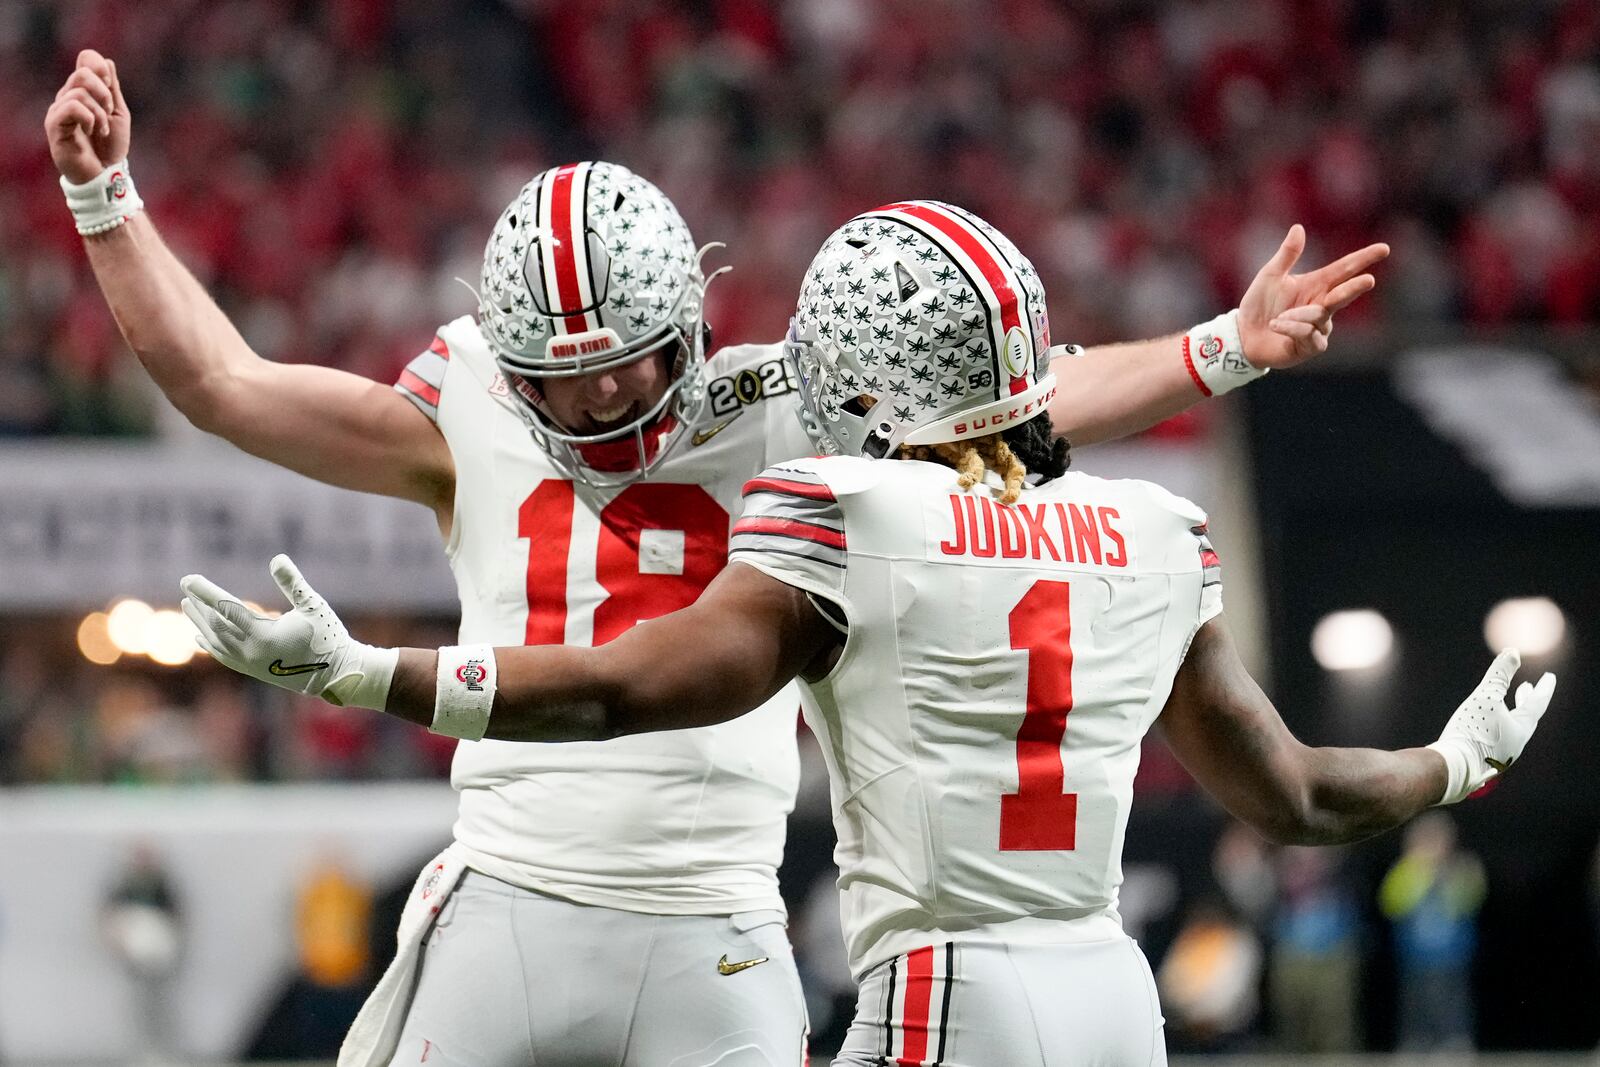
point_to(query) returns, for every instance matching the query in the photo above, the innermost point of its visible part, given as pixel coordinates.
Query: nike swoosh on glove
(1485, 737)
(306, 650)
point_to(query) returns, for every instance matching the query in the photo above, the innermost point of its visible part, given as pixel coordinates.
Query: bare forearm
(745, 638)
(646, 680)
(171, 323)
(1230, 737)
(545, 693)
(324, 423)
(1354, 793)
(1111, 391)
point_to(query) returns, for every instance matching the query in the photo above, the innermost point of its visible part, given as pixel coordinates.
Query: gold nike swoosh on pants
(726, 968)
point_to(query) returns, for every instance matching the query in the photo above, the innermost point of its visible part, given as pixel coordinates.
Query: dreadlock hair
(1011, 453)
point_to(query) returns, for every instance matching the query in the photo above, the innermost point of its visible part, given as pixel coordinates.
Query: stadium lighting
(133, 628)
(94, 640)
(1533, 625)
(127, 624)
(1352, 640)
(170, 640)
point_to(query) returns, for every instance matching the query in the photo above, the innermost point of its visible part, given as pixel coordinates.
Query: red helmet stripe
(969, 240)
(569, 242)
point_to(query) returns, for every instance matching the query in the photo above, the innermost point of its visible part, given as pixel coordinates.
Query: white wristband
(1214, 355)
(105, 201)
(464, 691)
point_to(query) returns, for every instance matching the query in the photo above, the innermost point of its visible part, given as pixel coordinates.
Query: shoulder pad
(845, 475)
(1191, 513)
(468, 349)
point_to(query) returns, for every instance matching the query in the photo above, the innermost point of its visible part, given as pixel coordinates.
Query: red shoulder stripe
(809, 490)
(805, 531)
(412, 384)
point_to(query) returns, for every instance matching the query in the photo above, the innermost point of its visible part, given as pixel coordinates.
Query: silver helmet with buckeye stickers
(591, 267)
(918, 323)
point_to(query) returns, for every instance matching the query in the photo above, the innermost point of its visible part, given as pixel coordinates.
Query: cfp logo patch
(473, 674)
(750, 386)
(1016, 355)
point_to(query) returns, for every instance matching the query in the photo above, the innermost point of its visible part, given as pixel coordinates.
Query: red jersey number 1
(1039, 816)
(685, 512)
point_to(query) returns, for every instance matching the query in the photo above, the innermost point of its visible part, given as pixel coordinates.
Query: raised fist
(88, 126)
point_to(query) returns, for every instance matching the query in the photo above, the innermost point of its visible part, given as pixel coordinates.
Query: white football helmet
(589, 268)
(918, 323)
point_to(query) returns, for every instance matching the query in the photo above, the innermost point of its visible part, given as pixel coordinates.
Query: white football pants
(512, 978)
(988, 1004)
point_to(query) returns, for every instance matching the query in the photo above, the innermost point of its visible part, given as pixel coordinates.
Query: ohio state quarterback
(584, 458)
(981, 654)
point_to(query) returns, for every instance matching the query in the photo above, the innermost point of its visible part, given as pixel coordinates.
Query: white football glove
(1484, 737)
(307, 650)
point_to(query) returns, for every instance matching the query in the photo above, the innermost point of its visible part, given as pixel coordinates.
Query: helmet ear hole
(876, 446)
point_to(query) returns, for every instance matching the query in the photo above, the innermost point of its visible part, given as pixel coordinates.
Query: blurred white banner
(81, 525)
(84, 524)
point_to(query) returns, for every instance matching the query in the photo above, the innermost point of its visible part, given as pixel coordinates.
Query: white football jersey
(685, 822)
(983, 724)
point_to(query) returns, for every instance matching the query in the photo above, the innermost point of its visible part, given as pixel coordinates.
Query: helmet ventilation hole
(906, 283)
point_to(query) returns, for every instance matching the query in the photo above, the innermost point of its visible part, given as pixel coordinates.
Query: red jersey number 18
(632, 594)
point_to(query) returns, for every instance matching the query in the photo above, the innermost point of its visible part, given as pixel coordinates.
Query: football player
(984, 640)
(584, 458)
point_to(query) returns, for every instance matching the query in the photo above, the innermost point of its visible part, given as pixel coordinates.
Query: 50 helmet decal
(918, 323)
(591, 268)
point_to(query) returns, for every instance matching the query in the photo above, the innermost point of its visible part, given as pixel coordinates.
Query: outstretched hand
(307, 649)
(1285, 318)
(1485, 737)
(88, 125)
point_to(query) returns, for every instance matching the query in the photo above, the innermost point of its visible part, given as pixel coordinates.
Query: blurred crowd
(329, 169)
(66, 721)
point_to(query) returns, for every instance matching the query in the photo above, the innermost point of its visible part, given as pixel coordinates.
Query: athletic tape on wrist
(464, 693)
(105, 201)
(1214, 355)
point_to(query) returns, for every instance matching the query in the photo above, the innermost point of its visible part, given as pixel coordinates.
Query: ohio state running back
(981, 656)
